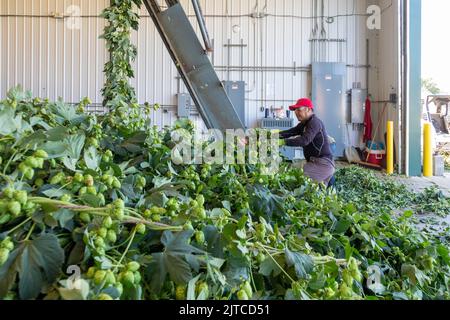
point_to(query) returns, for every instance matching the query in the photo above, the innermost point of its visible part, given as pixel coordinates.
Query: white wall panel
(45, 56)
(48, 56)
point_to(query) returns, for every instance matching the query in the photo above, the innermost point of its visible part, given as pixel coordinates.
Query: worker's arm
(311, 131)
(296, 131)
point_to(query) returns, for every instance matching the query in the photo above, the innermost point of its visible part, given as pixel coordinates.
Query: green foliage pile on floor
(81, 194)
(372, 193)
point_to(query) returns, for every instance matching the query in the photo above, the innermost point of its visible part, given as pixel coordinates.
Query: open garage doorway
(436, 73)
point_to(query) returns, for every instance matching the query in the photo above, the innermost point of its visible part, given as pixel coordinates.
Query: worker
(311, 135)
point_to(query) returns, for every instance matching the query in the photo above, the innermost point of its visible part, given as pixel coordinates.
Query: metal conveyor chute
(194, 66)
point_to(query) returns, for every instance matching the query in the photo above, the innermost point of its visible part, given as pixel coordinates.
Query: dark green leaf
(38, 263)
(64, 218)
(8, 124)
(91, 200)
(91, 158)
(174, 260)
(303, 263)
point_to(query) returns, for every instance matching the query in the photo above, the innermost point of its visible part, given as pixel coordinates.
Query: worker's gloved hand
(243, 142)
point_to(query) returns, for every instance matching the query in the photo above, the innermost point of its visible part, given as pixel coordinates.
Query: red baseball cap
(302, 103)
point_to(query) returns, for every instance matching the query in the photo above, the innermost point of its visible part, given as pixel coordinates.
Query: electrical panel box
(277, 124)
(290, 153)
(358, 99)
(439, 166)
(184, 105)
(236, 92)
(329, 98)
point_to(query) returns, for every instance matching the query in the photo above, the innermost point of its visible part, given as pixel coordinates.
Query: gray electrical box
(439, 166)
(184, 105)
(358, 99)
(291, 153)
(236, 92)
(329, 97)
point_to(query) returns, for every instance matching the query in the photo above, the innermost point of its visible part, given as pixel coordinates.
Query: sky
(436, 42)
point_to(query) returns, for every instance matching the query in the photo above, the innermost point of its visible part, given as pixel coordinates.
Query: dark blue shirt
(311, 136)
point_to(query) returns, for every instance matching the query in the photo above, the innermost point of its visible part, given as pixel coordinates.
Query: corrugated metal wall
(50, 56)
(384, 75)
(46, 56)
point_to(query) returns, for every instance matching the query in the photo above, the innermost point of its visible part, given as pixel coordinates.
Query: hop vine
(118, 94)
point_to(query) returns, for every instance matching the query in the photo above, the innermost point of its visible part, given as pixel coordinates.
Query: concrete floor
(418, 184)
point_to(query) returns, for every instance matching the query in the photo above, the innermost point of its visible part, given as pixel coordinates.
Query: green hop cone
(78, 177)
(147, 214)
(201, 200)
(180, 292)
(128, 278)
(4, 218)
(248, 289)
(4, 256)
(118, 214)
(7, 244)
(119, 204)
(14, 208)
(141, 182)
(110, 279)
(242, 295)
(8, 193)
(203, 287)
(91, 272)
(188, 226)
(110, 181)
(88, 180)
(104, 297)
(107, 222)
(39, 182)
(99, 277)
(200, 237)
(40, 163)
(111, 236)
(99, 243)
(29, 174)
(41, 154)
(57, 179)
(119, 288)
(329, 293)
(347, 277)
(140, 228)
(85, 217)
(82, 191)
(133, 266)
(428, 263)
(137, 278)
(66, 198)
(102, 232)
(21, 196)
(345, 291)
(91, 190)
(116, 183)
(32, 162)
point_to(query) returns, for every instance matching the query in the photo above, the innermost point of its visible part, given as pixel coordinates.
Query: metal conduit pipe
(275, 68)
(202, 24)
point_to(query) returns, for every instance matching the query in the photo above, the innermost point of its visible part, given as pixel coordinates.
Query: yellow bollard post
(427, 151)
(390, 148)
